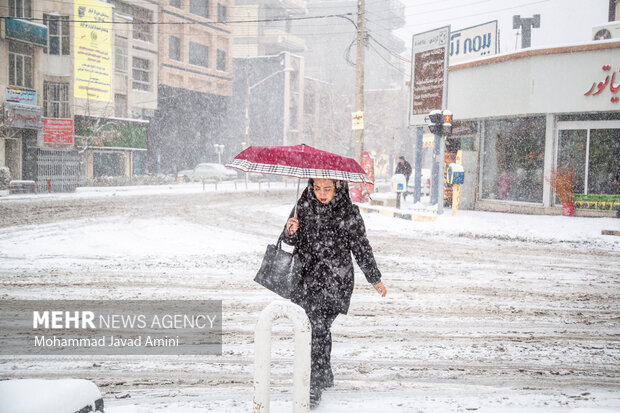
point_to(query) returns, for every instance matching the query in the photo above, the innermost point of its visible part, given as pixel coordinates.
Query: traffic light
(436, 122)
(447, 123)
(440, 122)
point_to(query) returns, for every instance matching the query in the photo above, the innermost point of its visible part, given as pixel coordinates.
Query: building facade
(536, 111)
(71, 88)
(195, 84)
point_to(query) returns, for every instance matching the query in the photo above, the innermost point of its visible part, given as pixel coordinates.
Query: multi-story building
(72, 70)
(195, 84)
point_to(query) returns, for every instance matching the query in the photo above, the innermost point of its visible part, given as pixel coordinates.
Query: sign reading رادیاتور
(429, 73)
(93, 50)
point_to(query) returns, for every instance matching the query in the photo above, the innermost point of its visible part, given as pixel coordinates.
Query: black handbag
(280, 270)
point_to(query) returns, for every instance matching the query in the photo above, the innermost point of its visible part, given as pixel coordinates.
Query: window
(221, 60)
(198, 54)
(513, 159)
(120, 106)
(175, 3)
(221, 13)
(142, 29)
(174, 45)
(121, 58)
(141, 74)
(58, 34)
(56, 100)
(142, 19)
(20, 8)
(594, 155)
(199, 7)
(20, 64)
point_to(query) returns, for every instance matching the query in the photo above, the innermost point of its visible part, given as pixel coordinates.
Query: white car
(60, 396)
(208, 172)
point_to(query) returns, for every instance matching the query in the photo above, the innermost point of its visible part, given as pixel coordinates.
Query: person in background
(325, 231)
(404, 168)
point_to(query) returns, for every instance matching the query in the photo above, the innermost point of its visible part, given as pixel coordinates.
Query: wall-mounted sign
(17, 115)
(473, 42)
(429, 73)
(14, 94)
(57, 130)
(26, 31)
(357, 120)
(93, 45)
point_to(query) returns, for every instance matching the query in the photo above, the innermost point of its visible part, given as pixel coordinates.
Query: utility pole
(359, 75)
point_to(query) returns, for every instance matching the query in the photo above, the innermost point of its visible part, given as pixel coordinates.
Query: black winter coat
(326, 237)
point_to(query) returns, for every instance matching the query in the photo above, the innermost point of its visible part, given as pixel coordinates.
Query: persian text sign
(17, 115)
(97, 327)
(14, 94)
(429, 73)
(92, 50)
(473, 42)
(57, 130)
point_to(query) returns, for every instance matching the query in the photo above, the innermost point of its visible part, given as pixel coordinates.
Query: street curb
(610, 232)
(410, 216)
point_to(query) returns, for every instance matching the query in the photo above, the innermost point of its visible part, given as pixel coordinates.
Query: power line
(277, 19)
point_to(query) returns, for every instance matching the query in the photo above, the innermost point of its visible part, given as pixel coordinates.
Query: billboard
(473, 42)
(429, 73)
(93, 50)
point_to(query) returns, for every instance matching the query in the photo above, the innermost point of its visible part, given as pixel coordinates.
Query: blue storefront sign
(18, 95)
(26, 31)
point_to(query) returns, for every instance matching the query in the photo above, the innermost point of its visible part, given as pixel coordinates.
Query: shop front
(538, 111)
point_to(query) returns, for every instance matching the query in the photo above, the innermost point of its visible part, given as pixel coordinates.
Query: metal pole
(435, 171)
(262, 356)
(297, 196)
(417, 188)
(359, 75)
(440, 183)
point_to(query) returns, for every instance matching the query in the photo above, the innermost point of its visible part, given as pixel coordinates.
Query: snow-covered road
(485, 312)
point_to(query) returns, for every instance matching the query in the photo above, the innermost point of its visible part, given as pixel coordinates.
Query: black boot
(315, 397)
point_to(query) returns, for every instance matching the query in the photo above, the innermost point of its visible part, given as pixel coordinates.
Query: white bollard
(262, 355)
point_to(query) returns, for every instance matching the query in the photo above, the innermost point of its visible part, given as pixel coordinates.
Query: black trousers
(321, 370)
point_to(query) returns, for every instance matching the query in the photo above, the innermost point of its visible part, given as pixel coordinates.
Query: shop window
(199, 7)
(56, 100)
(594, 156)
(221, 60)
(572, 154)
(175, 3)
(121, 55)
(174, 44)
(198, 54)
(141, 74)
(57, 35)
(20, 64)
(513, 159)
(20, 8)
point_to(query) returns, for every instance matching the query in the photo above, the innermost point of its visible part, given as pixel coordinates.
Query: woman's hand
(380, 288)
(292, 225)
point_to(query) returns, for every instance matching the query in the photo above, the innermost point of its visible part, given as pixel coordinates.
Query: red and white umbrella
(300, 161)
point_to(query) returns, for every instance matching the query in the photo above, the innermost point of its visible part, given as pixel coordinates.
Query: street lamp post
(248, 90)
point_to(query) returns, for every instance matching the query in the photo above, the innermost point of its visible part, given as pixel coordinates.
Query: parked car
(209, 172)
(22, 187)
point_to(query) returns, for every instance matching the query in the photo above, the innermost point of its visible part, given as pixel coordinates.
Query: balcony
(276, 41)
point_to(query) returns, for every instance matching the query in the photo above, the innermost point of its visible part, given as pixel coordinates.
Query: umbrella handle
(297, 197)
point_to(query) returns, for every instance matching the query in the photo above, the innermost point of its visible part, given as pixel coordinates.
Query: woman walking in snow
(326, 230)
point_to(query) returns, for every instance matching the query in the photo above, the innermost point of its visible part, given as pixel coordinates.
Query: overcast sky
(562, 21)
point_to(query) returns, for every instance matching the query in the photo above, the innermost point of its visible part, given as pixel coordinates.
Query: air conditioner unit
(610, 30)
